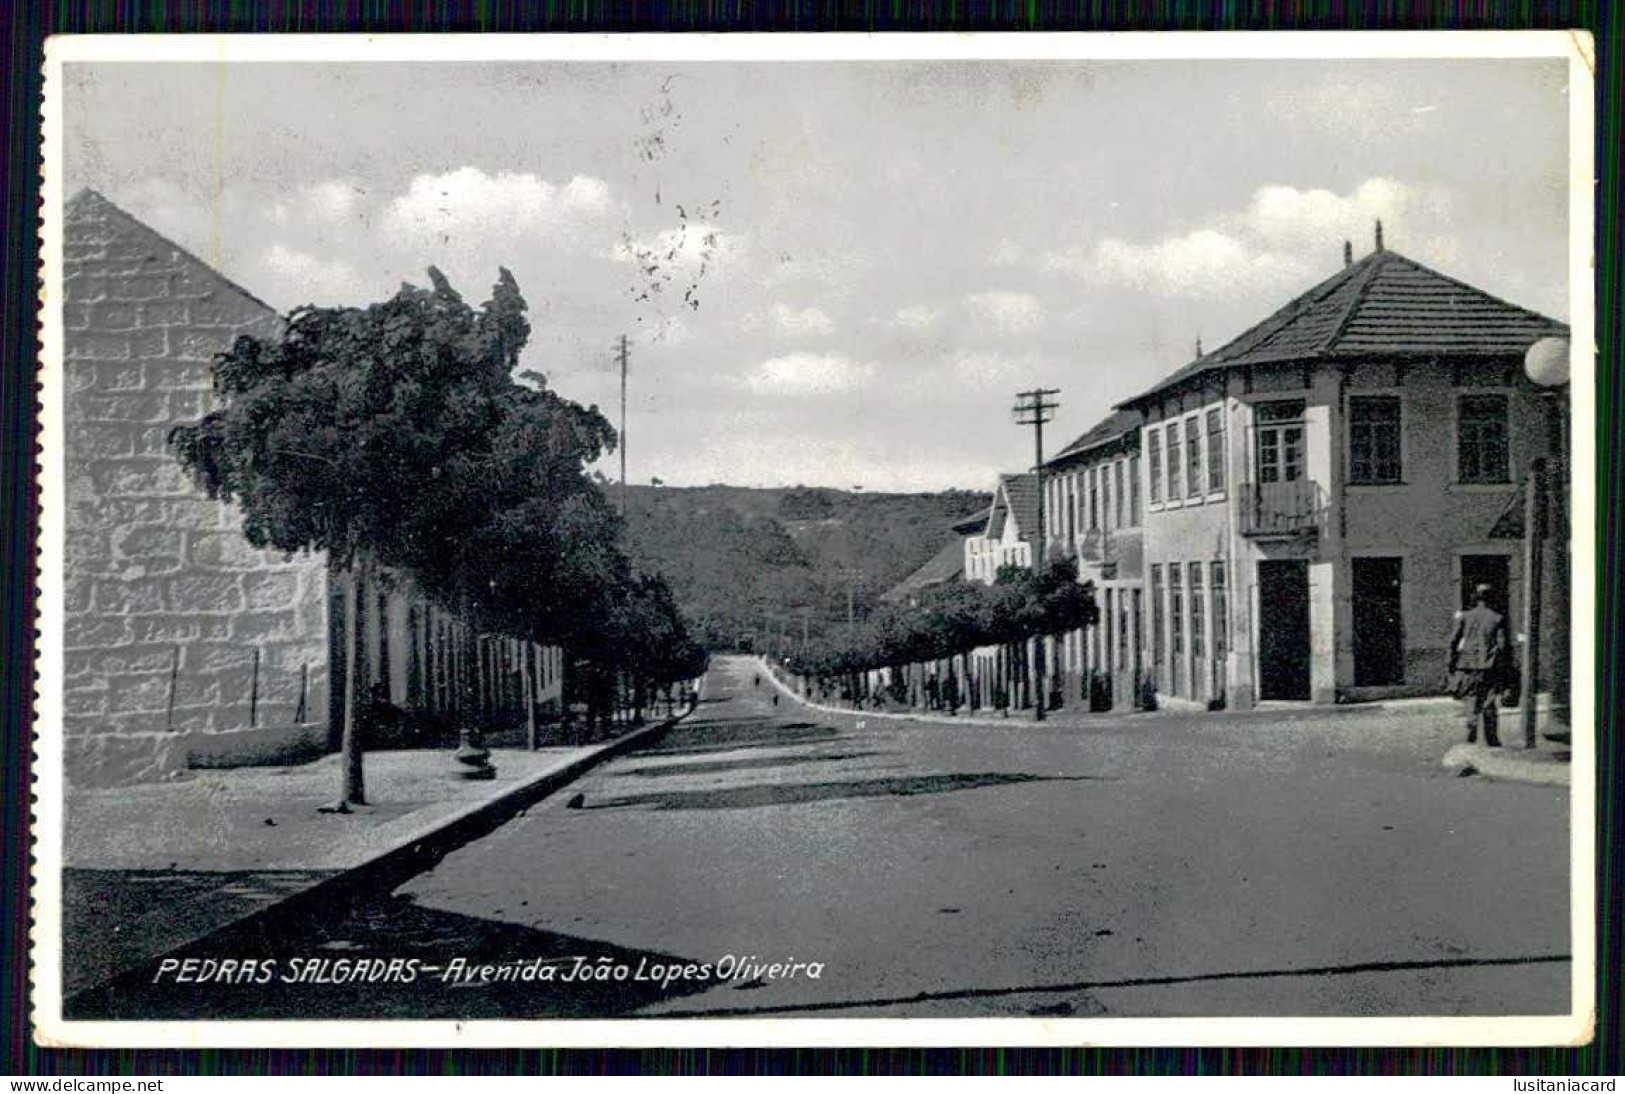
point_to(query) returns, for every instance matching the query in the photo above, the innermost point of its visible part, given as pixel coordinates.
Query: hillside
(742, 560)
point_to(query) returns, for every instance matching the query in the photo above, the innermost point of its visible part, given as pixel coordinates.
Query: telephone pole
(1034, 408)
(622, 357)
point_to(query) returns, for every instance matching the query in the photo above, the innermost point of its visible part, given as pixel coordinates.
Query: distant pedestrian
(1480, 651)
(756, 683)
(775, 699)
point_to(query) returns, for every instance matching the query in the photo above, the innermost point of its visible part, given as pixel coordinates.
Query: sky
(840, 274)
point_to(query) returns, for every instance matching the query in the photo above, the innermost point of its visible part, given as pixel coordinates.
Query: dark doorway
(1492, 570)
(1283, 630)
(1379, 632)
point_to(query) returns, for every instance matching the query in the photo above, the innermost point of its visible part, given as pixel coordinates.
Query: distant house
(945, 567)
(1320, 491)
(1010, 532)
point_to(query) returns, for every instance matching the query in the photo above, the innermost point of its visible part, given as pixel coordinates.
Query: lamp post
(1546, 363)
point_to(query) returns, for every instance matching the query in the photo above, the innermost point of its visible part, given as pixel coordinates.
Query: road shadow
(710, 767)
(113, 919)
(767, 794)
(391, 928)
(735, 734)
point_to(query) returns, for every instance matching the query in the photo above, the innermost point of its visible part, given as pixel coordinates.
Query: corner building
(1320, 492)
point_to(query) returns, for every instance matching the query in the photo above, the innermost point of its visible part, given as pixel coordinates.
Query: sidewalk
(153, 867)
(1072, 717)
(1425, 730)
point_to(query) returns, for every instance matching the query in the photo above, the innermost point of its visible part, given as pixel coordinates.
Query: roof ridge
(88, 196)
(1282, 317)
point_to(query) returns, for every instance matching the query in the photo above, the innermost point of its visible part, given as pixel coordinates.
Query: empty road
(1153, 866)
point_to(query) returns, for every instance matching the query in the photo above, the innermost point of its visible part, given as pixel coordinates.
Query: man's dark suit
(1479, 645)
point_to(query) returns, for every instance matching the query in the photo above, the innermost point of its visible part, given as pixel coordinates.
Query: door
(1283, 629)
(1379, 633)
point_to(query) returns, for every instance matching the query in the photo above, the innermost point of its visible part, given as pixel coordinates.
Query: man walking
(1479, 646)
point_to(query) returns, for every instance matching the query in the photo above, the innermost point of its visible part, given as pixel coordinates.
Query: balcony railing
(1281, 509)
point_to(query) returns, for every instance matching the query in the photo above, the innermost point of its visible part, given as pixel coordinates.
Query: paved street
(1153, 866)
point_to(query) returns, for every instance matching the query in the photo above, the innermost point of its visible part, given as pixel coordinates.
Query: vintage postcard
(816, 540)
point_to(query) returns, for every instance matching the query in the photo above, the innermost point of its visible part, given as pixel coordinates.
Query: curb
(939, 719)
(416, 853)
(1507, 764)
(1427, 706)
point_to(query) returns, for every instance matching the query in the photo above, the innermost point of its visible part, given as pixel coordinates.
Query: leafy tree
(397, 436)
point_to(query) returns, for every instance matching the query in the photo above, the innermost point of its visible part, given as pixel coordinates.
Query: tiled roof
(1116, 425)
(1022, 493)
(1383, 305)
(947, 565)
(971, 524)
(89, 205)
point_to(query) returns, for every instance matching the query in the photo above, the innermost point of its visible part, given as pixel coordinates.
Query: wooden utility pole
(1034, 408)
(623, 356)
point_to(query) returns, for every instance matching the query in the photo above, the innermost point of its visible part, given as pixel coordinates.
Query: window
(1374, 452)
(1094, 501)
(1154, 455)
(1105, 496)
(1122, 630)
(1174, 461)
(1215, 449)
(1117, 491)
(1198, 612)
(1134, 491)
(1481, 439)
(1221, 613)
(1071, 508)
(1280, 441)
(1193, 457)
(1176, 627)
(1157, 618)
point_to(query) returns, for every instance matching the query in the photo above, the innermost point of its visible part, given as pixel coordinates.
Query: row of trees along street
(400, 439)
(926, 642)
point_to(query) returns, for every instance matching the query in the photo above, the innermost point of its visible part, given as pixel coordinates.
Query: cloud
(916, 317)
(802, 323)
(1204, 263)
(322, 281)
(1005, 253)
(990, 369)
(332, 199)
(1006, 312)
(469, 207)
(1285, 237)
(809, 374)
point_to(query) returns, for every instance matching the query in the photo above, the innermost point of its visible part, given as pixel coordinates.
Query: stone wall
(158, 577)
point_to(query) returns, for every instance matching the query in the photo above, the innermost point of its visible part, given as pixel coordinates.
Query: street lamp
(1546, 363)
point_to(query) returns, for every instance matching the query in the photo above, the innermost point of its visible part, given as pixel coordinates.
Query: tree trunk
(357, 681)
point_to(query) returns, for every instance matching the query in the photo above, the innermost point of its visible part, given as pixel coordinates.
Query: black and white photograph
(829, 539)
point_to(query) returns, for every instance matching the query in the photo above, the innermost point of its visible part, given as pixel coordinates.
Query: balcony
(1282, 510)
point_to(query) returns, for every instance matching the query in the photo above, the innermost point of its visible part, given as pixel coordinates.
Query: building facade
(185, 646)
(1320, 492)
(1094, 514)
